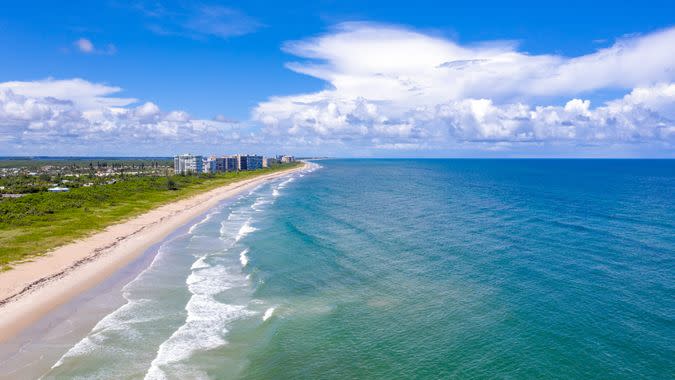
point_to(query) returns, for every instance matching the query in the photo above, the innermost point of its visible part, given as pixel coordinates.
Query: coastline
(32, 289)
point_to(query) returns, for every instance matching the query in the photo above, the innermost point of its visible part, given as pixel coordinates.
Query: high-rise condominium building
(188, 164)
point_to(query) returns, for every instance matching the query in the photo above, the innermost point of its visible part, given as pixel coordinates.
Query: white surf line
(268, 313)
(113, 319)
(243, 258)
(205, 324)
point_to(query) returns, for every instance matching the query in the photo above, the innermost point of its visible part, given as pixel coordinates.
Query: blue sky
(215, 76)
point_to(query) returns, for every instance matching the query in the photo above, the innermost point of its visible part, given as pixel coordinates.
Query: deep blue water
(384, 269)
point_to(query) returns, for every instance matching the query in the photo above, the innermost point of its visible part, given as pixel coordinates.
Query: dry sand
(32, 289)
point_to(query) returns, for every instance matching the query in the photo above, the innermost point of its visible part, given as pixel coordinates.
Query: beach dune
(32, 289)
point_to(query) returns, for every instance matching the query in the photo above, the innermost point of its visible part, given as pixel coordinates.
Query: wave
(232, 223)
(243, 258)
(200, 263)
(121, 321)
(206, 323)
(204, 329)
(283, 184)
(214, 280)
(245, 230)
(206, 219)
(259, 202)
(207, 319)
(268, 314)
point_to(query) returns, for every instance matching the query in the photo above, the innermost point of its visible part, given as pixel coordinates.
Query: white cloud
(83, 94)
(196, 20)
(147, 111)
(79, 117)
(395, 87)
(85, 45)
(391, 91)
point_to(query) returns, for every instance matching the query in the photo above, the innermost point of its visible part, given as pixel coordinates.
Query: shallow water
(410, 269)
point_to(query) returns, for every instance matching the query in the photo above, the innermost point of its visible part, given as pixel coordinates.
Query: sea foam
(268, 314)
(121, 321)
(286, 182)
(245, 230)
(243, 258)
(206, 219)
(204, 329)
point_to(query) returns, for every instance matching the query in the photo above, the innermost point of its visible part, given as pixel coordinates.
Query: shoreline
(33, 289)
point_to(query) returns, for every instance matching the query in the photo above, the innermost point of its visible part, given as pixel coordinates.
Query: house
(57, 189)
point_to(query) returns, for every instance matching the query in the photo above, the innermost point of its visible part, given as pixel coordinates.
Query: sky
(338, 78)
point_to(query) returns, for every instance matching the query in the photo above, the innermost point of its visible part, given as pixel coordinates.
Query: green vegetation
(24, 176)
(36, 223)
(36, 163)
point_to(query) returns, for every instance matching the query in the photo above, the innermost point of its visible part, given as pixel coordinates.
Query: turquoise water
(383, 269)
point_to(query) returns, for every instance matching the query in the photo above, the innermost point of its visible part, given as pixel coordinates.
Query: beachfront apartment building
(247, 162)
(220, 164)
(227, 164)
(230, 164)
(188, 164)
(284, 159)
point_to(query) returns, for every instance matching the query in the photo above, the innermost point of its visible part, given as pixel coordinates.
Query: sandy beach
(32, 289)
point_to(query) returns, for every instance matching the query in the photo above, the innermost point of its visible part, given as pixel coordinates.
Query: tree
(171, 184)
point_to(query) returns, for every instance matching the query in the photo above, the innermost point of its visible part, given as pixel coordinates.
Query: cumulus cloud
(79, 117)
(83, 94)
(395, 88)
(390, 91)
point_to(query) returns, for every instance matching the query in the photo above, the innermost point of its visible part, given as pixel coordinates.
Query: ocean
(401, 269)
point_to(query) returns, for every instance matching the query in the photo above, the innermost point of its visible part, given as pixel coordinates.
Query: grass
(37, 223)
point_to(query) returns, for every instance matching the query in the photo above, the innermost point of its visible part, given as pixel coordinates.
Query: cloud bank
(393, 90)
(77, 117)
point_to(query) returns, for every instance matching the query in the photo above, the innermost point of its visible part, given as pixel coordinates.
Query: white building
(220, 164)
(57, 189)
(188, 164)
